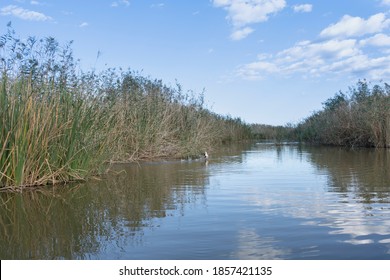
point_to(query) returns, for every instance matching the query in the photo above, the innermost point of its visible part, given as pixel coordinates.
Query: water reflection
(252, 246)
(78, 221)
(347, 193)
(30, 227)
(362, 171)
(362, 180)
(254, 201)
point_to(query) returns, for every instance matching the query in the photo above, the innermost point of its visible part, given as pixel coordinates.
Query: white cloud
(353, 47)
(256, 70)
(378, 40)
(361, 66)
(386, 2)
(305, 57)
(332, 49)
(121, 2)
(350, 26)
(343, 57)
(159, 5)
(241, 33)
(37, 3)
(23, 13)
(241, 12)
(84, 24)
(304, 8)
(245, 12)
(221, 3)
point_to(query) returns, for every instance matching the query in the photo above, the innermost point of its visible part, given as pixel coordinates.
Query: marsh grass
(59, 124)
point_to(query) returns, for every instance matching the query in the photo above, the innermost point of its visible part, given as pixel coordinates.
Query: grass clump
(59, 124)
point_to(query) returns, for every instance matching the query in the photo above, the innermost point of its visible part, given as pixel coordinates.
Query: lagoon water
(254, 201)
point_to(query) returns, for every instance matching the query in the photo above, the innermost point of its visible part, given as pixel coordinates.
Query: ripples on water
(254, 202)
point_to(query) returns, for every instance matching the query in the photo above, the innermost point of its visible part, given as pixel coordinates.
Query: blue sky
(266, 61)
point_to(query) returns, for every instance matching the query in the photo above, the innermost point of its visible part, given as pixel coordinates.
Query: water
(259, 201)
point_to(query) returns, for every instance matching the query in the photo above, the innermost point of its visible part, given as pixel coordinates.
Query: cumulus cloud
(350, 26)
(304, 8)
(378, 40)
(386, 2)
(332, 49)
(257, 70)
(242, 13)
(361, 66)
(359, 51)
(304, 57)
(23, 13)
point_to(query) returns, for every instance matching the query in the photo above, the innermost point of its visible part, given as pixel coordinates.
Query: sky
(265, 61)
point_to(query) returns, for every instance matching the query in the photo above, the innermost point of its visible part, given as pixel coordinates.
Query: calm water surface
(259, 201)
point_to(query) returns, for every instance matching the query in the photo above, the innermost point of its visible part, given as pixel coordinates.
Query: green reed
(48, 139)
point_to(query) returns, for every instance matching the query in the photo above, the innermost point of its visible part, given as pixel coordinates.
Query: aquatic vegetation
(60, 124)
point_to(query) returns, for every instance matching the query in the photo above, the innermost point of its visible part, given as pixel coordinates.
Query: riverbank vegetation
(275, 133)
(358, 118)
(60, 124)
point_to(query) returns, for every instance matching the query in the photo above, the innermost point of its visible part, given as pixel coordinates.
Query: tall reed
(59, 124)
(50, 138)
(359, 118)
